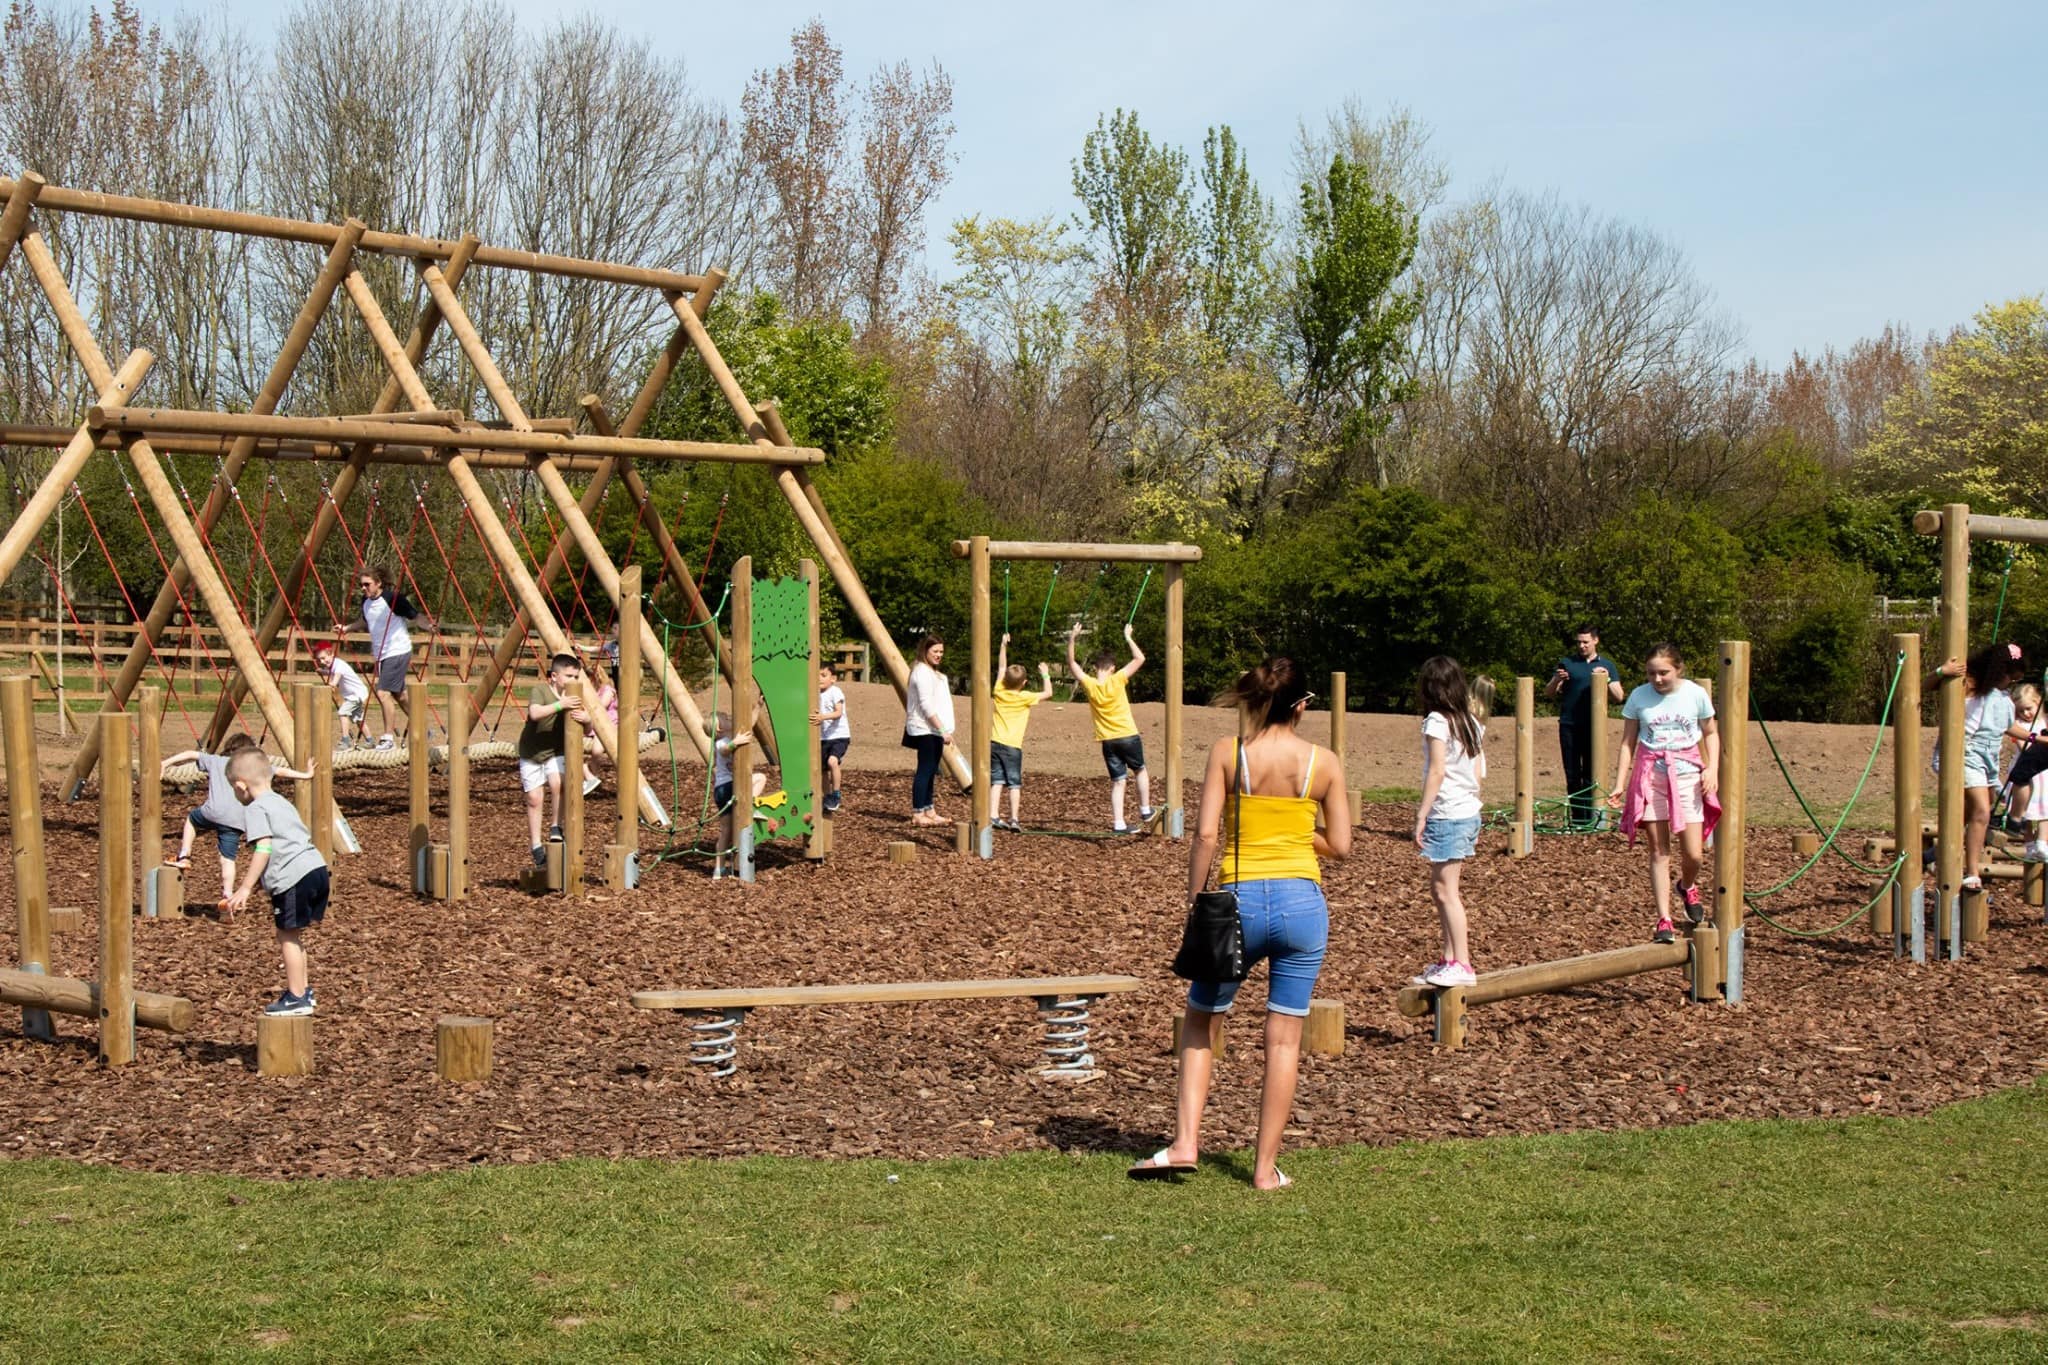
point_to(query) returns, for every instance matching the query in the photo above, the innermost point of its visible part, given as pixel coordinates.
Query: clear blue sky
(1828, 167)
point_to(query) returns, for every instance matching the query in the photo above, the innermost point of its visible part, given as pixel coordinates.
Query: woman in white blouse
(927, 726)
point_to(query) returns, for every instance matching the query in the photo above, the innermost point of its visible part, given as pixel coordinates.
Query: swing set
(1169, 561)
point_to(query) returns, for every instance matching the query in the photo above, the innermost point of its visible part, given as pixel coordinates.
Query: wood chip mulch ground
(1829, 1027)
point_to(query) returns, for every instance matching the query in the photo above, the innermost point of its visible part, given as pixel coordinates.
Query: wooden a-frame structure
(405, 426)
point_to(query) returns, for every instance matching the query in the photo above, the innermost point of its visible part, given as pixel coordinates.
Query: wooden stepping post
(284, 1045)
(163, 895)
(1322, 1034)
(963, 837)
(902, 851)
(66, 919)
(462, 1045)
(1805, 844)
(1976, 915)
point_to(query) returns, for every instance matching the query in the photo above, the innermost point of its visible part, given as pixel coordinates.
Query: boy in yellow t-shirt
(1006, 733)
(1109, 706)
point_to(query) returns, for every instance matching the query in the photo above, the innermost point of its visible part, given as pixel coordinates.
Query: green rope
(1854, 915)
(2004, 582)
(1828, 843)
(1045, 612)
(1006, 599)
(1143, 583)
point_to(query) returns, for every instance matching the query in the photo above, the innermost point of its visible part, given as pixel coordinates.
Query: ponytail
(1268, 694)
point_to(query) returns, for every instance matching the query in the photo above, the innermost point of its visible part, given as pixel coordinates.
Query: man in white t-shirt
(834, 734)
(384, 614)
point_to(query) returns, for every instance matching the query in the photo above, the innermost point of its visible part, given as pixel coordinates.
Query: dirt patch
(1827, 1025)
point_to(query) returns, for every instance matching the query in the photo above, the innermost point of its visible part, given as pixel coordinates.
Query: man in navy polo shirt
(1571, 682)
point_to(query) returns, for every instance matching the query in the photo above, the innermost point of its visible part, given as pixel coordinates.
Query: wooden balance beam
(69, 995)
(1062, 1000)
(1701, 950)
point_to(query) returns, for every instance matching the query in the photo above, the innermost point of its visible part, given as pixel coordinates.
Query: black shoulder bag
(1212, 944)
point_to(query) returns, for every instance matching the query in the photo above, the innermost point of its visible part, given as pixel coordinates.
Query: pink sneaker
(1695, 910)
(1665, 932)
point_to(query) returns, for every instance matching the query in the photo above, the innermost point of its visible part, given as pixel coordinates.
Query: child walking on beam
(1667, 780)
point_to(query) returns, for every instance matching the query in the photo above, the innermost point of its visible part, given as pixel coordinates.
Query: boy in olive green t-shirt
(1109, 705)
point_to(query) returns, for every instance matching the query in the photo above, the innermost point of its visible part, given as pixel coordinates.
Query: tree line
(1398, 421)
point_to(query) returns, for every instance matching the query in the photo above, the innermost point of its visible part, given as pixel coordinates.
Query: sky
(1827, 168)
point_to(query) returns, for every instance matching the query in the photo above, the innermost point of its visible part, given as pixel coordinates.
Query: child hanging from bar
(1667, 779)
(221, 814)
(352, 694)
(1012, 713)
(835, 735)
(1107, 688)
(384, 613)
(290, 868)
(543, 748)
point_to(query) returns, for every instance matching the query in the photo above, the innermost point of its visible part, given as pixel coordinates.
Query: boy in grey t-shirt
(288, 865)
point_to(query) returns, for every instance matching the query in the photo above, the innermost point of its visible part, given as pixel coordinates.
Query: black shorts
(1005, 765)
(303, 904)
(829, 749)
(2032, 762)
(1126, 755)
(721, 795)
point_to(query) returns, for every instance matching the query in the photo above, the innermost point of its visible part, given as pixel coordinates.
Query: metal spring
(715, 1041)
(1066, 1035)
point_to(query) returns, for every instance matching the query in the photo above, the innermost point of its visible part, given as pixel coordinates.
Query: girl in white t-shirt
(1667, 779)
(1447, 820)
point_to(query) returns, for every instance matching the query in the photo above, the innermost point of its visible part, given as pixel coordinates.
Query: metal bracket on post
(632, 869)
(1731, 965)
(985, 843)
(35, 1023)
(1176, 822)
(1955, 928)
(743, 853)
(1919, 924)
(347, 836)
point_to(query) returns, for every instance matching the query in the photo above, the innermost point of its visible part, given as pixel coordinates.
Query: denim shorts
(230, 840)
(1450, 841)
(1121, 756)
(1005, 765)
(1287, 922)
(1980, 769)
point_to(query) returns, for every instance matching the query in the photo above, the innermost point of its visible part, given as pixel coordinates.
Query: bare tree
(906, 159)
(793, 127)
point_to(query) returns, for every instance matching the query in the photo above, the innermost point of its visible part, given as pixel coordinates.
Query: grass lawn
(1857, 1240)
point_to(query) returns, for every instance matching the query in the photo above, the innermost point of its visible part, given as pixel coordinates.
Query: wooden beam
(1955, 644)
(1731, 835)
(293, 452)
(1522, 836)
(1072, 550)
(254, 426)
(42, 504)
(400, 244)
(2019, 530)
(980, 699)
(14, 220)
(40, 994)
(1888, 916)
(626, 837)
(458, 801)
(1540, 978)
(1176, 662)
(181, 576)
(149, 757)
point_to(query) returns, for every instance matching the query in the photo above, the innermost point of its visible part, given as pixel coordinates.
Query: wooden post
(284, 1045)
(1890, 912)
(980, 699)
(819, 842)
(322, 746)
(1596, 735)
(1805, 843)
(902, 851)
(1522, 838)
(1450, 1018)
(572, 806)
(191, 551)
(1705, 970)
(458, 797)
(1976, 907)
(14, 221)
(117, 893)
(1323, 1034)
(1730, 837)
(625, 844)
(2034, 883)
(1176, 662)
(742, 703)
(419, 785)
(462, 1047)
(149, 761)
(1339, 700)
(1955, 644)
(25, 831)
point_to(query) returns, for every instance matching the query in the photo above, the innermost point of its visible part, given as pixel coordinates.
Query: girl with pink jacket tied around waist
(1667, 780)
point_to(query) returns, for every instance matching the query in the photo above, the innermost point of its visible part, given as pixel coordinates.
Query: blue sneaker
(289, 1006)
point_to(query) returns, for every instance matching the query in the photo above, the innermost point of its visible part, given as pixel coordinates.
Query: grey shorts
(391, 674)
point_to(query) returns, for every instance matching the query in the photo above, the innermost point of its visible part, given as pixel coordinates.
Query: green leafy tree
(1347, 323)
(1655, 571)
(1234, 226)
(1135, 204)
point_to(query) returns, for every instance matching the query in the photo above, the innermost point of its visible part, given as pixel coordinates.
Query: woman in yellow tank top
(1260, 800)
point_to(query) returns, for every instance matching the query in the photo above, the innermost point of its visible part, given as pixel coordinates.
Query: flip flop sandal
(1284, 1182)
(180, 863)
(1158, 1167)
